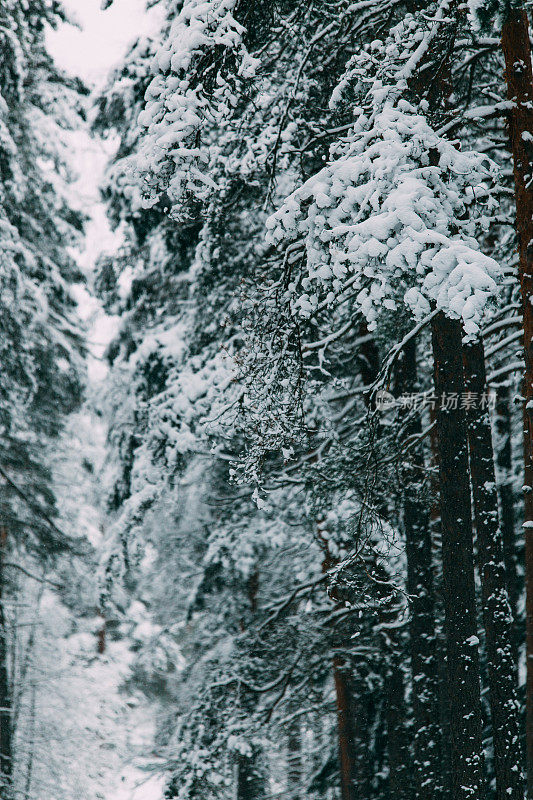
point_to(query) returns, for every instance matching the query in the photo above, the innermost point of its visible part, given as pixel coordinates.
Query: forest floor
(96, 736)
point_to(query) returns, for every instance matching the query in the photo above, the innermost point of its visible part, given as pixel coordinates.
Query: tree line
(327, 205)
(319, 400)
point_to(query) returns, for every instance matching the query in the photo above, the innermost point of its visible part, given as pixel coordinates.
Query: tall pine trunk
(346, 729)
(420, 586)
(519, 78)
(443, 722)
(504, 463)
(348, 739)
(251, 774)
(251, 780)
(6, 733)
(101, 633)
(395, 714)
(458, 564)
(294, 759)
(497, 618)
(345, 706)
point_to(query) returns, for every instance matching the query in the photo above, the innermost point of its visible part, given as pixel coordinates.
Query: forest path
(94, 738)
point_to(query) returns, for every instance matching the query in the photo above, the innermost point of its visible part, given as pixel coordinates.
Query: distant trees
(41, 349)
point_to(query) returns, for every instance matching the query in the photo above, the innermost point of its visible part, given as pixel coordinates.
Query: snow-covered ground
(93, 739)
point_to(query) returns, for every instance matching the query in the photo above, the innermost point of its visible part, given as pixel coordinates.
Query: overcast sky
(90, 52)
(103, 39)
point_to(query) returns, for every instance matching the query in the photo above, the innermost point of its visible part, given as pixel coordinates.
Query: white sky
(90, 52)
(103, 38)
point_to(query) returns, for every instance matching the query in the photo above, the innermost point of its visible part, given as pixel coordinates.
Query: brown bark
(101, 635)
(458, 565)
(497, 618)
(346, 723)
(345, 706)
(519, 78)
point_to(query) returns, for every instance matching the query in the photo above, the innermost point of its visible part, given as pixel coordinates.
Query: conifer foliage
(317, 548)
(41, 349)
(326, 191)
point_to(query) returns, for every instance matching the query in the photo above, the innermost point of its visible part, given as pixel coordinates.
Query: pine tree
(496, 610)
(519, 78)
(420, 585)
(41, 353)
(386, 212)
(458, 564)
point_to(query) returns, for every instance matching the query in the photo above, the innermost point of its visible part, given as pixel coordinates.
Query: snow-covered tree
(305, 191)
(41, 351)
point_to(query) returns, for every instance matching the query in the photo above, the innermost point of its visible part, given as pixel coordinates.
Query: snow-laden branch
(397, 212)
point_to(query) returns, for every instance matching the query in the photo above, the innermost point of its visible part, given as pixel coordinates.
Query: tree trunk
(6, 733)
(458, 564)
(294, 759)
(504, 463)
(346, 712)
(443, 724)
(31, 756)
(251, 776)
(101, 634)
(519, 78)
(346, 728)
(365, 749)
(251, 782)
(418, 546)
(397, 741)
(497, 617)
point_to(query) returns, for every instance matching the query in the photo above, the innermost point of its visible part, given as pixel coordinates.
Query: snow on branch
(195, 73)
(395, 215)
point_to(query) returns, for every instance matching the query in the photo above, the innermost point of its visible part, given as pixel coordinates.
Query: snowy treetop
(188, 93)
(395, 215)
